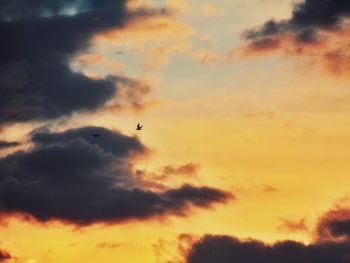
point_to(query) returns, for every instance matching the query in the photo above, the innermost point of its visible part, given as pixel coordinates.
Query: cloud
(5, 144)
(132, 95)
(294, 226)
(229, 249)
(85, 61)
(4, 255)
(188, 169)
(268, 189)
(308, 17)
(331, 244)
(205, 57)
(317, 30)
(10, 10)
(334, 225)
(109, 245)
(75, 178)
(169, 171)
(159, 179)
(39, 39)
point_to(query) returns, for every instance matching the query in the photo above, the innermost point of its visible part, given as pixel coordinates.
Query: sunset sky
(243, 155)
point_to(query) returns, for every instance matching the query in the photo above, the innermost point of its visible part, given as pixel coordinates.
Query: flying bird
(139, 127)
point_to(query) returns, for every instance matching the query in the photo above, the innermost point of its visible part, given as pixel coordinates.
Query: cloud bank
(76, 178)
(331, 244)
(229, 249)
(39, 39)
(317, 30)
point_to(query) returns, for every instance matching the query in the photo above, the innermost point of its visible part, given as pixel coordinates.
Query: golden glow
(273, 134)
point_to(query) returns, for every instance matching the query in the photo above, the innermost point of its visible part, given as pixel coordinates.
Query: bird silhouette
(139, 127)
(96, 135)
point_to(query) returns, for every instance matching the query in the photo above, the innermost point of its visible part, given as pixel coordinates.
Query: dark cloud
(5, 144)
(339, 228)
(307, 18)
(225, 249)
(306, 36)
(331, 244)
(266, 43)
(76, 178)
(25, 10)
(4, 255)
(334, 225)
(270, 28)
(38, 40)
(317, 30)
(110, 141)
(320, 13)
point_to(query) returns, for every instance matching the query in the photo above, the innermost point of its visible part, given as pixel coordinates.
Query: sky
(243, 152)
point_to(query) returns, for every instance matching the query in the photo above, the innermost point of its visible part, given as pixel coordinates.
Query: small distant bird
(139, 127)
(96, 135)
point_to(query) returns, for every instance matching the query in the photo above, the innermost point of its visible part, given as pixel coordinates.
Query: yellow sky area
(305, 188)
(57, 243)
(299, 148)
(297, 144)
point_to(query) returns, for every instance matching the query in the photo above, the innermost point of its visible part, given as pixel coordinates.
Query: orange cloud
(84, 62)
(131, 95)
(205, 57)
(108, 245)
(329, 53)
(269, 189)
(163, 177)
(88, 59)
(319, 34)
(294, 226)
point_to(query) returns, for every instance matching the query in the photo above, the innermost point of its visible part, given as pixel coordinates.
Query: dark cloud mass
(111, 142)
(24, 9)
(76, 178)
(331, 245)
(308, 17)
(317, 31)
(225, 249)
(38, 40)
(340, 228)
